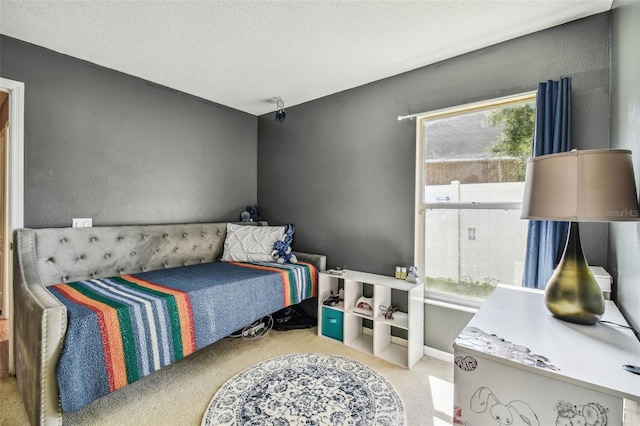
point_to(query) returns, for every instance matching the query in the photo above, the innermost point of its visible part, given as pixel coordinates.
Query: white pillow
(251, 243)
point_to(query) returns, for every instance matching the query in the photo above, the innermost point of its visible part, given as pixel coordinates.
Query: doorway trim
(16, 182)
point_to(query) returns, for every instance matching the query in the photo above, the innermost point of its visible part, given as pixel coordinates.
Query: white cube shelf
(379, 340)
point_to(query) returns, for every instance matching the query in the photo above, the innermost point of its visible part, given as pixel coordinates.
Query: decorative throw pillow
(251, 243)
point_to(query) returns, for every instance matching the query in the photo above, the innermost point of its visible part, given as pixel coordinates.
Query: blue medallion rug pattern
(306, 389)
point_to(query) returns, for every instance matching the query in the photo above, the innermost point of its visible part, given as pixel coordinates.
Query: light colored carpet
(180, 393)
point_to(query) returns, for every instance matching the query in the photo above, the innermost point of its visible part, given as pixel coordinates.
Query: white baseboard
(438, 354)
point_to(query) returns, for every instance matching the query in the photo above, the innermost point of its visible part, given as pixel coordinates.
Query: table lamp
(595, 185)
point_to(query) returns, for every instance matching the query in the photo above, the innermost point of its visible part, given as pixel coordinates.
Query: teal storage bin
(332, 323)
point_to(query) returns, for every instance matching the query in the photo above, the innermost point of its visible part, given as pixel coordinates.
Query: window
(471, 179)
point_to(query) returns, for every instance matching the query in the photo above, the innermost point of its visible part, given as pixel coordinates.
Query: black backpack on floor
(292, 318)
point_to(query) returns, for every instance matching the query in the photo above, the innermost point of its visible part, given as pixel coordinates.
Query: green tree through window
(516, 139)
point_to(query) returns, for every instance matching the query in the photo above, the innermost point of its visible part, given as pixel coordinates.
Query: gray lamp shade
(594, 185)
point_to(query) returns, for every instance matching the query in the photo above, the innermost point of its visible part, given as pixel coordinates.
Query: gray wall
(342, 167)
(442, 326)
(105, 145)
(624, 238)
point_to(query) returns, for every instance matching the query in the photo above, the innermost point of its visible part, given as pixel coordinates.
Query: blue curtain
(546, 239)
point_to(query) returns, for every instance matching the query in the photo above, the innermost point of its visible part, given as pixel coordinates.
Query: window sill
(451, 305)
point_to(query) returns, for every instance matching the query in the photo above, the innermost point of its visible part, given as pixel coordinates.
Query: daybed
(223, 297)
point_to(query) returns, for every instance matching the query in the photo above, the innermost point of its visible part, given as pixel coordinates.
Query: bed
(160, 285)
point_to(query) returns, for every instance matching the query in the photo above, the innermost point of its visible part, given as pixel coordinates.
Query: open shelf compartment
(354, 336)
(383, 299)
(387, 347)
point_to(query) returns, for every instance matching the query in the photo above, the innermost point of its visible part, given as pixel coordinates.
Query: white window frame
(421, 207)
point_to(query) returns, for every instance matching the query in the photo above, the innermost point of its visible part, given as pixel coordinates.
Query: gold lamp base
(572, 293)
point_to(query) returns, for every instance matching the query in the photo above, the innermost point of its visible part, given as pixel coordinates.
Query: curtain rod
(408, 117)
(491, 103)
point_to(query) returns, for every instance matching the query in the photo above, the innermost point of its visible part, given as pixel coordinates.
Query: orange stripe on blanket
(109, 327)
(185, 312)
(284, 276)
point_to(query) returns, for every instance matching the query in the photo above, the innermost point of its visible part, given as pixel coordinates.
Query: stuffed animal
(282, 248)
(254, 214)
(282, 253)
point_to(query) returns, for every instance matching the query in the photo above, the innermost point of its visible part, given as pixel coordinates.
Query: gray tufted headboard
(70, 254)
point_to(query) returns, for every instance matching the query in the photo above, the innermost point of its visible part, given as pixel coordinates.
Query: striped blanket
(123, 328)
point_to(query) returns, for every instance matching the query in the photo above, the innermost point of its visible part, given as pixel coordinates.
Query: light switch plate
(82, 222)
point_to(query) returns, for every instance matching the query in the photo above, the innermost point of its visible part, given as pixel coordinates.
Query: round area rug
(306, 389)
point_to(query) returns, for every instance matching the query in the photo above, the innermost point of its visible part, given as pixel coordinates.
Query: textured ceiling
(243, 54)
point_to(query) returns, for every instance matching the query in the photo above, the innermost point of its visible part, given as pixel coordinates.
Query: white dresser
(515, 364)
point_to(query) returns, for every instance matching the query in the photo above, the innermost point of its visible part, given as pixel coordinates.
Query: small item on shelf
(403, 273)
(341, 294)
(413, 276)
(397, 272)
(331, 300)
(336, 271)
(364, 306)
(388, 311)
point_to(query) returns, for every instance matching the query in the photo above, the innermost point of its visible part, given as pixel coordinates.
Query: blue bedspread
(122, 328)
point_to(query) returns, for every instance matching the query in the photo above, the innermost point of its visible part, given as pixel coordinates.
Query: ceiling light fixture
(281, 116)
